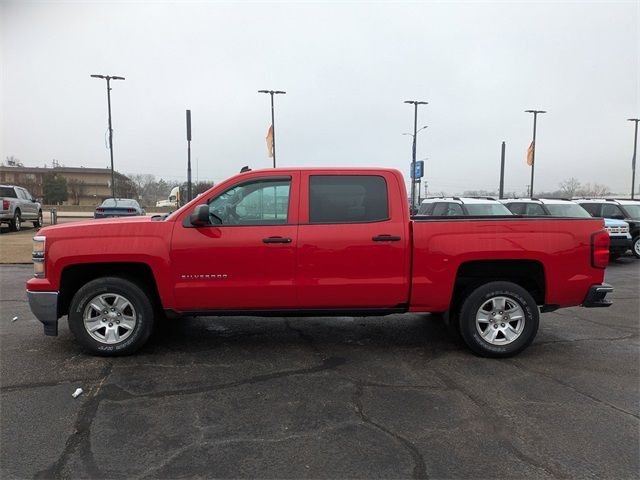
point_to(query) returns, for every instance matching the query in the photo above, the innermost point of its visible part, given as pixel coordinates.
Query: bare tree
(76, 188)
(569, 188)
(594, 190)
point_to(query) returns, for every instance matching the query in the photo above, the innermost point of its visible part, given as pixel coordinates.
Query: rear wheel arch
(529, 274)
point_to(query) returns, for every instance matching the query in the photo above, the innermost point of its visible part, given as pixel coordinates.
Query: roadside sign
(418, 170)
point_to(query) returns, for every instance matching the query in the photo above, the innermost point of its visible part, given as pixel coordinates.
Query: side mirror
(200, 216)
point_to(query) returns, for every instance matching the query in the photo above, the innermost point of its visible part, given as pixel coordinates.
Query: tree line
(145, 188)
(568, 188)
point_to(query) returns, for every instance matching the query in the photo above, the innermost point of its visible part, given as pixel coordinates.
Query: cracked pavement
(380, 397)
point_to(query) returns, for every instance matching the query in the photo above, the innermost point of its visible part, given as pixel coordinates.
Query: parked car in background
(118, 207)
(620, 239)
(550, 207)
(462, 207)
(18, 206)
(617, 209)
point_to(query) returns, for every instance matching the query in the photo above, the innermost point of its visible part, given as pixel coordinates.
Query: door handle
(386, 238)
(276, 240)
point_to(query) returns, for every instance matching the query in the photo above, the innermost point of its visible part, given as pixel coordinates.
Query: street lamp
(273, 124)
(418, 131)
(533, 151)
(415, 104)
(633, 160)
(108, 78)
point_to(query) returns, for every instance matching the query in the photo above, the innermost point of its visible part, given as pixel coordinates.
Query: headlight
(38, 256)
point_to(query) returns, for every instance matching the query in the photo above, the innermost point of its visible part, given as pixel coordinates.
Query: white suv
(462, 207)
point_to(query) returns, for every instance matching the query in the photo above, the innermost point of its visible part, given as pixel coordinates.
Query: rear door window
(612, 211)
(592, 208)
(425, 209)
(535, 209)
(447, 209)
(517, 208)
(348, 199)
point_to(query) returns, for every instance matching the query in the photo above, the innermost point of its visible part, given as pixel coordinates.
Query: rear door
(353, 241)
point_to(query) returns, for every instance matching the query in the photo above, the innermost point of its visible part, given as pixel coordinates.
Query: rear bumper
(44, 306)
(597, 296)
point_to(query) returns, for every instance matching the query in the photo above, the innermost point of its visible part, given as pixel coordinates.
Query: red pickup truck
(319, 241)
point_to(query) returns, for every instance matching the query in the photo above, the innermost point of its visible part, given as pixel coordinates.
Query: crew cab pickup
(303, 242)
(18, 206)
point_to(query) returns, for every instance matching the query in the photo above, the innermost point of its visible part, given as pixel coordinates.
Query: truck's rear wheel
(111, 316)
(498, 319)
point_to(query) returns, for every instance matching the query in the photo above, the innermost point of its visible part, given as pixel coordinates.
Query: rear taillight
(5, 204)
(131, 210)
(99, 210)
(600, 249)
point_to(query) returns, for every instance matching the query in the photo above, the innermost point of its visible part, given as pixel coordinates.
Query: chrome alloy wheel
(500, 320)
(636, 247)
(109, 318)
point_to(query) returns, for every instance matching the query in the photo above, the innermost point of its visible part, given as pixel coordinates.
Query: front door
(245, 258)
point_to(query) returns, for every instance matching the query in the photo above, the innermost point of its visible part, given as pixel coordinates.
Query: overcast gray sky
(346, 67)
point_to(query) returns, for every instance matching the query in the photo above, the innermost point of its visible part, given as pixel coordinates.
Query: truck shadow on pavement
(319, 333)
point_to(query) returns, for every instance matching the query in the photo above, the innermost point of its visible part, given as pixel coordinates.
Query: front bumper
(596, 296)
(44, 306)
(619, 243)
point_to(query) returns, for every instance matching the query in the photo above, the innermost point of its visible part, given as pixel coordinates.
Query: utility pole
(415, 104)
(501, 190)
(633, 160)
(533, 153)
(108, 78)
(273, 121)
(189, 191)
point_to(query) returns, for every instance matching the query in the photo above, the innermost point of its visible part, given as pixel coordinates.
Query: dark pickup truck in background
(301, 242)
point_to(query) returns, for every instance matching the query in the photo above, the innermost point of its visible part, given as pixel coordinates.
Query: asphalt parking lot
(324, 398)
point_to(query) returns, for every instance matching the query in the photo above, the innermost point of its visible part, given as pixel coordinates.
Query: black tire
(16, 224)
(478, 298)
(38, 222)
(136, 296)
(635, 247)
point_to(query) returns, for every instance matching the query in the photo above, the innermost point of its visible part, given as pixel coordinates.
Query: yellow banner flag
(530, 154)
(269, 139)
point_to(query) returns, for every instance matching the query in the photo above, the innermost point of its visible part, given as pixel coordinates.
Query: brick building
(85, 186)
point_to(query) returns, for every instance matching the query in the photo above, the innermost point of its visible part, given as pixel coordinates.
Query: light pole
(633, 160)
(533, 151)
(273, 121)
(415, 104)
(414, 162)
(108, 78)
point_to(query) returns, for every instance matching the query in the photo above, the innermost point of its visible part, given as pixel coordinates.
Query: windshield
(487, 209)
(119, 202)
(633, 211)
(567, 210)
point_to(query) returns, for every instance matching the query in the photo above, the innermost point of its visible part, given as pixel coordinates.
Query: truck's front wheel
(498, 319)
(111, 316)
